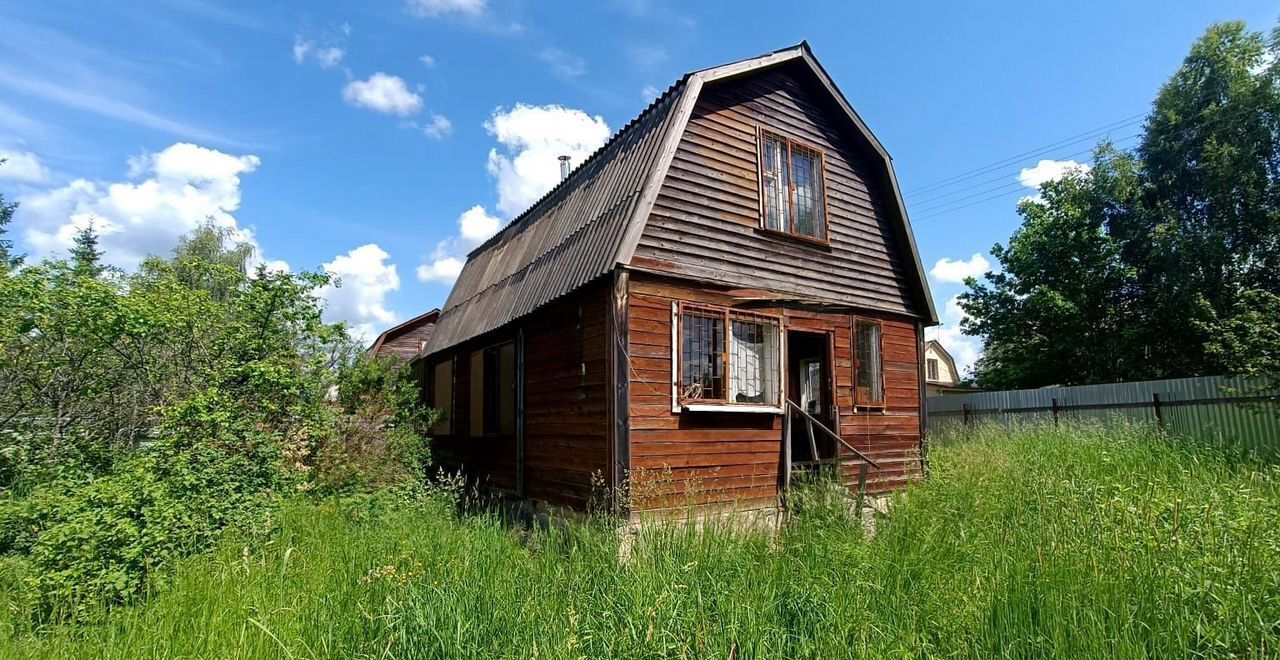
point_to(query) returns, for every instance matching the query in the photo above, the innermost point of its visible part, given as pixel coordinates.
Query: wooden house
(406, 340)
(940, 373)
(727, 292)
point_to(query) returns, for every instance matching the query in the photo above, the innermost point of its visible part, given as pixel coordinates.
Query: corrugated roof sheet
(566, 239)
(589, 223)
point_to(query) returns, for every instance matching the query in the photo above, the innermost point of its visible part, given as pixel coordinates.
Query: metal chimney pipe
(564, 167)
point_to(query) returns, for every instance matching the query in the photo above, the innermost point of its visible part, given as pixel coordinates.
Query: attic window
(931, 368)
(792, 187)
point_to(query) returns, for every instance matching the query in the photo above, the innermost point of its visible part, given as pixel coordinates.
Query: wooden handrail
(812, 420)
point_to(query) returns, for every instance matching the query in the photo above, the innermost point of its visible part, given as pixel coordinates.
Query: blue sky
(381, 139)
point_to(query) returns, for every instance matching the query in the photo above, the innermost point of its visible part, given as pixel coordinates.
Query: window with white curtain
(728, 357)
(753, 361)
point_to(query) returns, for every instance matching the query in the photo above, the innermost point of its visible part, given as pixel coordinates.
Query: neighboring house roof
(933, 345)
(591, 222)
(395, 331)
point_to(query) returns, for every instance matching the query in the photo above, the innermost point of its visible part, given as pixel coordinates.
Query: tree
(8, 259)
(211, 258)
(86, 258)
(1160, 262)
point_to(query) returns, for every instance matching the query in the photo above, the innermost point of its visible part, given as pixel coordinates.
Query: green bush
(378, 436)
(141, 416)
(97, 542)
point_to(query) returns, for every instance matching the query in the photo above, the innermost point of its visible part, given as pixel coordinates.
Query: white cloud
(964, 349)
(427, 61)
(524, 167)
(172, 192)
(327, 52)
(301, 49)
(532, 137)
(475, 226)
(954, 271)
(109, 105)
(365, 277)
(444, 270)
(1050, 170)
(438, 128)
(649, 93)
(330, 57)
(22, 166)
(433, 8)
(383, 93)
(562, 63)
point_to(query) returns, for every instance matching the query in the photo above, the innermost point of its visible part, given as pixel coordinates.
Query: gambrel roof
(592, 221)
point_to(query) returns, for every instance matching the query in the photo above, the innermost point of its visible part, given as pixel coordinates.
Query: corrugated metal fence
(1224, 411)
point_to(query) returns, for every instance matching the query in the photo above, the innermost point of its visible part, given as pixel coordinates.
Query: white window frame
(678, 404)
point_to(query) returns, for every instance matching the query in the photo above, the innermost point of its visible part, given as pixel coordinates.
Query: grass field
(1076, 543)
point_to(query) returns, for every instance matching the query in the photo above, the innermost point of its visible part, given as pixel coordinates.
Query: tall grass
(1036, 543)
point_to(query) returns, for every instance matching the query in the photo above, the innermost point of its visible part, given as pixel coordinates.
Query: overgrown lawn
(1072, 543)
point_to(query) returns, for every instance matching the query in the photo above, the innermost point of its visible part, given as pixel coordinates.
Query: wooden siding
(405, 344)
(735, 458)
(705, 222)
(565, 418)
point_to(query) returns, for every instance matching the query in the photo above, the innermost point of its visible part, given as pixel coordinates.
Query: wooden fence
(1224, 411)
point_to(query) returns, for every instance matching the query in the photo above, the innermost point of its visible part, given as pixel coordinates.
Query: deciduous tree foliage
(142, 414)
(7, 258)
(1163, 261)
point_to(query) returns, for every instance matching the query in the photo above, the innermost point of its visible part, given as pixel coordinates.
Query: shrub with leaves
(379, 435)
(142, 415)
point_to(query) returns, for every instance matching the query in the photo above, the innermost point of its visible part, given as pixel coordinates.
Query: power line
(942, 200)
(948, 207)
(978, 171)
(939, 201)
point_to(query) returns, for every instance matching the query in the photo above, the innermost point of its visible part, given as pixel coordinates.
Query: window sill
(817, 243)
(734, 408)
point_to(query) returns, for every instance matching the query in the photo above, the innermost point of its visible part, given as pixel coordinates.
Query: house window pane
(753, 362)
(792, 195)
(701, 356)
(870, 371)
(932, 369)
(777, 177)
(807, 179)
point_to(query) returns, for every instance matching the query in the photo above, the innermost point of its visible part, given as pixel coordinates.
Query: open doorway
(809, 387)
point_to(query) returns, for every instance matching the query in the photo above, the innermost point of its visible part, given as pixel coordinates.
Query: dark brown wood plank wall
(566, 390)
(710, 200)
(566, 424)
(735, 458)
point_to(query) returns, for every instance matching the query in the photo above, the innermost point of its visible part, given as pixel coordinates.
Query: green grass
(1079, 543)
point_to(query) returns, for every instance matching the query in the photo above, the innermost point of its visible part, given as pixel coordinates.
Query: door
(809, 387)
